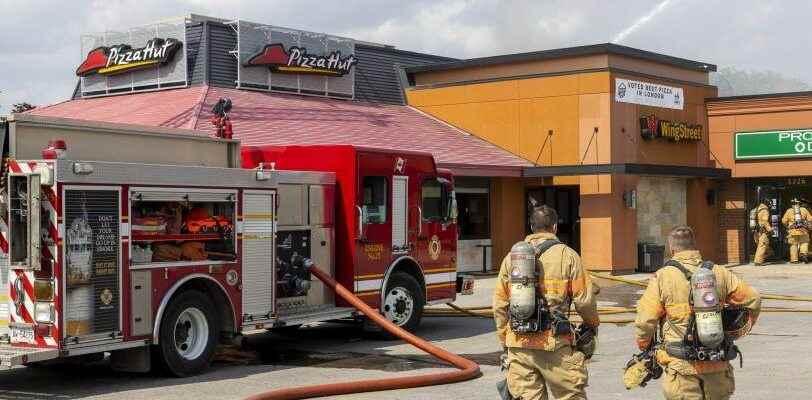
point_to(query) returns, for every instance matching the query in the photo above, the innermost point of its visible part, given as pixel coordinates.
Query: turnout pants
(798, 244)
(531, 372)
(763, 249)
(713, 386)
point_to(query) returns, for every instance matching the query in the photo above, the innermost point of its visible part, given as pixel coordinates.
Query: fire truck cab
(155, 244)
(396, 232)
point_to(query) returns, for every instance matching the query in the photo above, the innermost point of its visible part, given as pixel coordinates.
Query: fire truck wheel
(403, 302)
(188, 334)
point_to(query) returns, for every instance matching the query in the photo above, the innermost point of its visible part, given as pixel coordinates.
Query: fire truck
(155, 244)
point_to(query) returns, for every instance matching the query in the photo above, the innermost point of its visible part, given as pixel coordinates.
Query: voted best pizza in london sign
(773, 144)
(649, 94)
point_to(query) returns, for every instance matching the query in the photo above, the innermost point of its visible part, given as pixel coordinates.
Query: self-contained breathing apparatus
(705, 339)
(798, 221)
(754, 226)
(528, 310)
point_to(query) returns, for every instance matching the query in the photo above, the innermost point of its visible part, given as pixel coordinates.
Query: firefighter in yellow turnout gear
(543, 359)
(665, 303)
(797, 219)
(761, 227)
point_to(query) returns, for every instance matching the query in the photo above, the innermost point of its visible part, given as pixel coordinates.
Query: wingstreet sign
(773, 144)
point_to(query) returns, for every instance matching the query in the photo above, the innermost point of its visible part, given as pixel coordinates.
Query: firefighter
(689, 372)
(762, 229)
(796, 219)
(541, 352)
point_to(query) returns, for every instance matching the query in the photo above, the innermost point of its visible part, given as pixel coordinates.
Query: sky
(40, 40)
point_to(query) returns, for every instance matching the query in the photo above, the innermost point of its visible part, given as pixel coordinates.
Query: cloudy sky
(39, 40)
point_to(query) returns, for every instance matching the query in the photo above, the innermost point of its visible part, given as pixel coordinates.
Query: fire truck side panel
(258, 255)
(337, 159)
(364, 264)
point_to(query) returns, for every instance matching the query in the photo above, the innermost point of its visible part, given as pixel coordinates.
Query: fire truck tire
(403, 301)
(188, 334)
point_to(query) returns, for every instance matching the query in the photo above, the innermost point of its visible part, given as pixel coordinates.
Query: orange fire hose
(468, 369)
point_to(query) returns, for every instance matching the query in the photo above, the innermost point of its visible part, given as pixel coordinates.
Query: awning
(627, 169)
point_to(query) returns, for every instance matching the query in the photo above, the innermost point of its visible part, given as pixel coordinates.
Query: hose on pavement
(467, 369)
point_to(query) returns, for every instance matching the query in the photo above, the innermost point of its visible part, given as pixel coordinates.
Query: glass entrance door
(565, 200)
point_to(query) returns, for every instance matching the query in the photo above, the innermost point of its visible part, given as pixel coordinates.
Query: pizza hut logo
(123, 58)
(297, 60)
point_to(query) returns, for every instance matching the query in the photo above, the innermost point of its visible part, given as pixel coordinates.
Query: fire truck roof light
(81, 168)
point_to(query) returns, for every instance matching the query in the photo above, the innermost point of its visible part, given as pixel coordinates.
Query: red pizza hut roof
(261, 118)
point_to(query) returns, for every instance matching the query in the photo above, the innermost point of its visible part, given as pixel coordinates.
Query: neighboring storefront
(618, 138)
(766, 141)
(289, 87)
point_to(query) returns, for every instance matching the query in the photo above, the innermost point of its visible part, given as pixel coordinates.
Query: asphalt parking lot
(775, 357)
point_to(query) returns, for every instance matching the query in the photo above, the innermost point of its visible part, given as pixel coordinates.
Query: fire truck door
(258, 255)
(436, 234)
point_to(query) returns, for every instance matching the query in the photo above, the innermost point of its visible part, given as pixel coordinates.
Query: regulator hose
(467, 369)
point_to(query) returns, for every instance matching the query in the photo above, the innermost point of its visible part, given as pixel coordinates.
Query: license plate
(22, 334)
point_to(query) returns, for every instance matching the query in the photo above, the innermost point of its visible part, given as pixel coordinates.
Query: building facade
(765, 141)
(617, 136)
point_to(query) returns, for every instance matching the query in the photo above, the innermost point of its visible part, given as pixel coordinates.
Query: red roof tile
(273, 118)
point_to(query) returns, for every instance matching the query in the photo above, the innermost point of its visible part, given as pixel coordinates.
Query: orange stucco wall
(588, 127)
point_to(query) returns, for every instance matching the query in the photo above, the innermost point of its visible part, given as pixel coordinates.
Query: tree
(738, 82)
(22, 107)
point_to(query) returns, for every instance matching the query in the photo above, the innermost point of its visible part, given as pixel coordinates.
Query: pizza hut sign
(123, 58)
(297, 60)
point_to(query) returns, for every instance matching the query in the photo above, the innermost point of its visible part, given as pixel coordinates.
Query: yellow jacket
(789, 218)
(565, 282)
(666, 297)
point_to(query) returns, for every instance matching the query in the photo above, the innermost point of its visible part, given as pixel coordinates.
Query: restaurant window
(474, 218)
(374, 201)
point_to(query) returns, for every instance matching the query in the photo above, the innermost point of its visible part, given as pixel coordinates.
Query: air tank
(523, 281)
(707, 310)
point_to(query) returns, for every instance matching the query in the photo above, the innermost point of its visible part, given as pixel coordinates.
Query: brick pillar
(732, 222)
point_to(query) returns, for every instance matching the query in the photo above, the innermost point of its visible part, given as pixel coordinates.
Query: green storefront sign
(773, 144)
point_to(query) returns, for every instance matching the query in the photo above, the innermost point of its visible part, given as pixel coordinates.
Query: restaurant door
(565, 200)
(778, 194)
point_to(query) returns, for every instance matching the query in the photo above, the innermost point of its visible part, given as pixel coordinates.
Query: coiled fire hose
(467, 369)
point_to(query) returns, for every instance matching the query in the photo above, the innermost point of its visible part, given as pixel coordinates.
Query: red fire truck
(136, 249)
